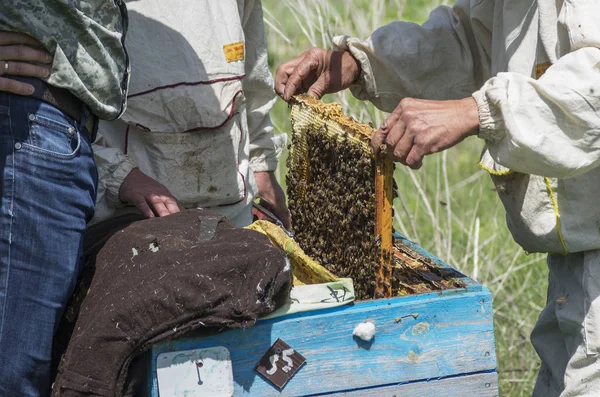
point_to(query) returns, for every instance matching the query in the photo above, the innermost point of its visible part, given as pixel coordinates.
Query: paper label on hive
(234, 51)
(195, 373)
(280, 363)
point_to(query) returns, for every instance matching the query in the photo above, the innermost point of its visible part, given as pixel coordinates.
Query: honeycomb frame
(311, 116)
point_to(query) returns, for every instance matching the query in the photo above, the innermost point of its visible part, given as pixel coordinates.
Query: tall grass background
(450, 206)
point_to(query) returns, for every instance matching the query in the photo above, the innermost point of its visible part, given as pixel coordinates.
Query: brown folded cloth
(157, 279)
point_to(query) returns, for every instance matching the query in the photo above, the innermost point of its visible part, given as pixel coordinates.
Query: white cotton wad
(365, 331)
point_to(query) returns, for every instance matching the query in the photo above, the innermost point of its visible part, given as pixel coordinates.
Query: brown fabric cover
(139, 297)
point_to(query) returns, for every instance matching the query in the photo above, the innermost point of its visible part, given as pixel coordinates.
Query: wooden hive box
(432, 344)
(436, 341)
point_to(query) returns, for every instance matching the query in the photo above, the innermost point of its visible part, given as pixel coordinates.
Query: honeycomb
(340, 196)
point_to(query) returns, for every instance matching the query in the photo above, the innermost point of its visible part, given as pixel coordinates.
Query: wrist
(351, 67)
(470, 115)
(263, 176)
(123, 188)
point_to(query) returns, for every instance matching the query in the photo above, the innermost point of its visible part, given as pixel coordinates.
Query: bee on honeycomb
(332, 193)
(340, 196)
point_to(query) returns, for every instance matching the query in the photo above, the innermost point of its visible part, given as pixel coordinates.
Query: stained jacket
(86, 39)
(197, 119)
(533, 67)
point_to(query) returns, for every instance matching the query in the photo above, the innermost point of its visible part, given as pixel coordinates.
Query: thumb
(380, 135)
(378, 139)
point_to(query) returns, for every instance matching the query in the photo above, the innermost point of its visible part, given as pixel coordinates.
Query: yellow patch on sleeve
(234, 52)
(541, 68)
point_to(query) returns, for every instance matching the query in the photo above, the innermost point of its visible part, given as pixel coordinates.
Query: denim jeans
(48, 185)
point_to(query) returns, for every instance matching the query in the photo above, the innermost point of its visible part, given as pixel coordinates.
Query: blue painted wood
(452, 335)
(477, 385)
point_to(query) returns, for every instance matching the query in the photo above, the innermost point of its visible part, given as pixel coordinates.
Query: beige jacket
(197, 118)
(533, 67)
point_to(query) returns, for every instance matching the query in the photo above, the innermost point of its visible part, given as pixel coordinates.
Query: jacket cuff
(113, 183)
(364, 87)
(268, 159)
(491, 124)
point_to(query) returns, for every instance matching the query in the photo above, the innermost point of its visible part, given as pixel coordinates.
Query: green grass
(450, 206)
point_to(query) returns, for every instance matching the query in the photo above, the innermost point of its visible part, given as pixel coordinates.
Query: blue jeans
(48, 185)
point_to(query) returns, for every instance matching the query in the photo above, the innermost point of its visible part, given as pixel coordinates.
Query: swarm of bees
(333, 224)
(340, 196)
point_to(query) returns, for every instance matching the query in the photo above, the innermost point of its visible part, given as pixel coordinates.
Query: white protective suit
(197, 116)
(533, 67)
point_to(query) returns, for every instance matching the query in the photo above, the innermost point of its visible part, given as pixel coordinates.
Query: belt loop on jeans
(91, 126)
(65, 101)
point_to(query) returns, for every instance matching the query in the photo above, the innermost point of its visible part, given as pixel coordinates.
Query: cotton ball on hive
(365, 331)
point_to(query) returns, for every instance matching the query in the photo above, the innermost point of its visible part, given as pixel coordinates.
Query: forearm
(442, 59)
(265, 146)
(550, 126)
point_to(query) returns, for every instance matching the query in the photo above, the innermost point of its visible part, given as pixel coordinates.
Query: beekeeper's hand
(21, 55)
(419, 127)
(271, 192)
(149, 196)
(316, 72)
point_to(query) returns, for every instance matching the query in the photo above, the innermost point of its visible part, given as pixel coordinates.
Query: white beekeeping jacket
(197, 115)
(533, 67)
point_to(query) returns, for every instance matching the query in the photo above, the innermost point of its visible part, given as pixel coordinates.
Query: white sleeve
(113, 166)
(551, 126)
(445, 58)
(265, 146)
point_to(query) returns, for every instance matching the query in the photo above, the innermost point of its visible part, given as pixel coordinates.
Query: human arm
(265, 146)
(21, 55)
(549, 126)
(445, 58)
(121, 183)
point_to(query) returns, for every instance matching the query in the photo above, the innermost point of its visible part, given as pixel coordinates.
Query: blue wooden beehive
(431, 344)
